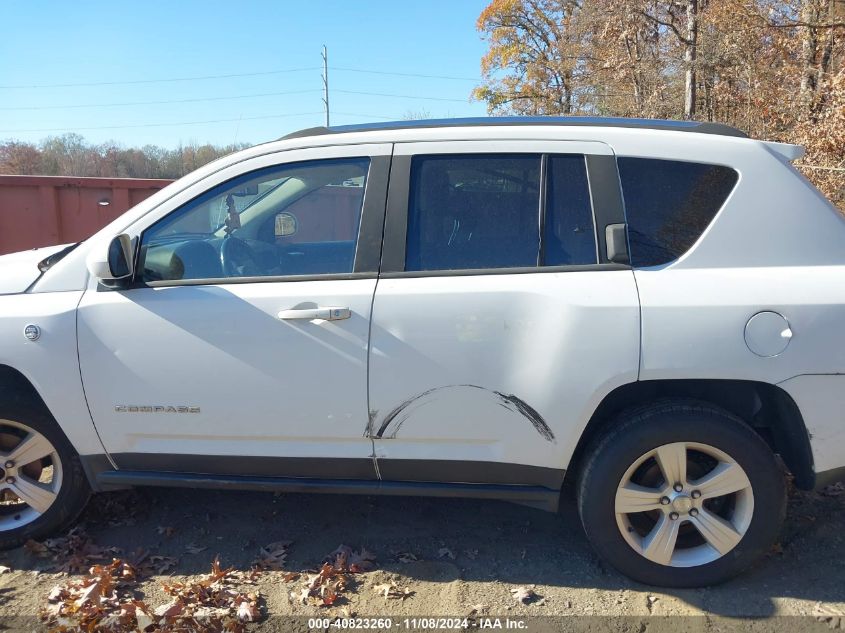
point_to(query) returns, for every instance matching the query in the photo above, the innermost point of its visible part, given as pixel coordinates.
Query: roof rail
(698, 127)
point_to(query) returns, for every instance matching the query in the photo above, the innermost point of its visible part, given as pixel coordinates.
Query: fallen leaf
(406, 557)
(248, 611)
(361, 561)
(74, 552)
(445, 552)
(169, 610)
(163, 564)
(391, 590)
(524, 594)
(56, 593)
(272, 557)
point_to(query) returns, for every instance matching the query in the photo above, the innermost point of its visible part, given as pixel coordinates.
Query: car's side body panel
(495, 369)
(694, 321)
(50, 363)
(253, 385)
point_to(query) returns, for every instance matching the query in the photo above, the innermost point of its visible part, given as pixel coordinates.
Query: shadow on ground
(491, 542)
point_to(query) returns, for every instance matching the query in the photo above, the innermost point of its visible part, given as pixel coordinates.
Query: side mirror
(116, 265)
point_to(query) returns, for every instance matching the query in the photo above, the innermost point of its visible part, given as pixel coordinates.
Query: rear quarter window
(669, 204)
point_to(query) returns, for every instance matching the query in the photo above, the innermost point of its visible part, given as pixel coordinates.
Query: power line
(71, 106)
(384, 72)
(383, 117)
(143, 125)
(229, 76)
(385, 94)
(137, 103)
(156, 81)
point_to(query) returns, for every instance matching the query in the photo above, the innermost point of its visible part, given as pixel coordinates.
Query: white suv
(482, 308)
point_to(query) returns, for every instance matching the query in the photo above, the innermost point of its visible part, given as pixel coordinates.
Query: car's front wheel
(681, 494)
(42, 485)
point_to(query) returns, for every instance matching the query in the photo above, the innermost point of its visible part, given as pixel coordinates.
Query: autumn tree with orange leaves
(773, 68)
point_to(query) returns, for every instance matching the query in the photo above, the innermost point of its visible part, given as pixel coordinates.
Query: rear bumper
(821, 400)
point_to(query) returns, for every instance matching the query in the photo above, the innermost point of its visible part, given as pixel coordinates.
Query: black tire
(74, 491)
(632, 435)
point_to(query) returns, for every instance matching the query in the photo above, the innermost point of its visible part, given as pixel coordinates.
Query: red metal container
(45, 210)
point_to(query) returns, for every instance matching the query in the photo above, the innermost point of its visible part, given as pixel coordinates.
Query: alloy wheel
(31, 475)
(684, 504)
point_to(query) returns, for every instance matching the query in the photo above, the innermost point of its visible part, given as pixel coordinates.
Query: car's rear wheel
(681, 494)
(42, 485)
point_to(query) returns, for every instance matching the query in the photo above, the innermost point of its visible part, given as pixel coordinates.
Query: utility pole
(326, 82)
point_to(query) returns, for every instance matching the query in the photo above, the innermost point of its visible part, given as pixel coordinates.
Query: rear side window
(483, 211)
(569, 236)
(669, 204)
(473, 211)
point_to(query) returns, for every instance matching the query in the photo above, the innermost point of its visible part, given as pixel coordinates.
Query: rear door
(499, 322)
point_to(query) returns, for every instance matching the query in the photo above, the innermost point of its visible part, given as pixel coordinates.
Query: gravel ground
(496, 546)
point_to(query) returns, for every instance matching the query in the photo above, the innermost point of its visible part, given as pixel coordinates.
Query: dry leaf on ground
(390, 590)
(272, 557)
(149, 565)
(74, 552)
(103, 594)
(524, 594)
(325, 587)
(354, 562)
(104, 601)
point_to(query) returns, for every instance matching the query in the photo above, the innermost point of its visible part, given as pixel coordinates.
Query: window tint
(669, 204)
(295, 219)
(569, 236)
(473, 211)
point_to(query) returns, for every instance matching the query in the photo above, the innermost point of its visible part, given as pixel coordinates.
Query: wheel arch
(767, 408)
(17, 391)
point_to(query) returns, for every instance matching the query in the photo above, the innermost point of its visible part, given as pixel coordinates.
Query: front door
(242, 346)
(498, 323)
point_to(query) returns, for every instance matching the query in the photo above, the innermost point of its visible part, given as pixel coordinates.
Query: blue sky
(60, 42)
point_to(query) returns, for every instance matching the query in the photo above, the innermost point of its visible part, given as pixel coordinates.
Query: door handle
(309, 314)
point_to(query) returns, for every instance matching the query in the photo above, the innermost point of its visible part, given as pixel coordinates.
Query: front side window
(669, 204)
(294, 219)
